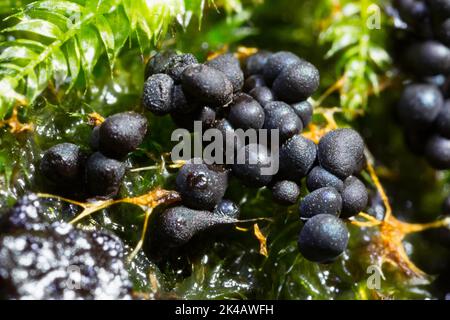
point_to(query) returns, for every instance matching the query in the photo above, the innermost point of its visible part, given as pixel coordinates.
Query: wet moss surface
(228, 264)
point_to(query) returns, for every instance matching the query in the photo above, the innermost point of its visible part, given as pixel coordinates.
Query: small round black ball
(444, 32)
(94, 140)
(440, 8)
(230, 141)
(230, 66)
(276, 63)
(412, 11)
(280, 116)
(158, 63)
(437, 152)
(428, 58)
(255, 63)
(246, 113)
(182, 103)
(254, 81)
(122, 133)
(103, 175)
(157, 94)
(297, 82)
(207, 116)
(324, 200)
(442, 121)
(419, 105)
(297, 157)
(262, 94)
(304, 111)
(207, 84)
(177, 64)
(341, 152)
(285, 192)
(323, 238)
(201, 186)
(62, 163)
(354, 197)
(252, 162)
(318, 178)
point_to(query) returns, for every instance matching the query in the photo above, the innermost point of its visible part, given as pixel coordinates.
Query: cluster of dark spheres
(267, 91)
(329, 169)
(424, 53)
(44, 260)
(335, 193)
(100, 173)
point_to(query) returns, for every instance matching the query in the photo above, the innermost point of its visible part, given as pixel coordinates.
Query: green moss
(230, 265)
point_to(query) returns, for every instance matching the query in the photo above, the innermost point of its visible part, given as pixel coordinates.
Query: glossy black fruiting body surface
(341, 152)
(285, 192)
(122, 133)
(176, 65)
(442, 120)
(207, 116)
(412, 11)
(318, 177)
(326, 200)
(280, 116)
(181, 102)
(354, 197)
(176, 226)
(254, 81)
(62, 164)
(437, 152)
(262, 94)
(296, 82)
(419, 105)
(255, 63)
(229, 65)
(230, 141)
(278, 62)
(201, 186)
(103, 175)
(297, 157)
(157, 94)
(94, 141)
(246, 113)
(323, 238)
(304, 111)
(50, 254)
(424, 55)
(158, 63)
(428, 58)
(207, 84)
(270, 92)
(251, 162)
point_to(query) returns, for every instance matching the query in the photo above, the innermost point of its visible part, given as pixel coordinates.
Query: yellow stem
(336, 86)
(380, 190)
(418, 227)
(142, 238)
(47, 195)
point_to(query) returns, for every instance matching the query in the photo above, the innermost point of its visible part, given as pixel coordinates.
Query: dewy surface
(231, 266)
